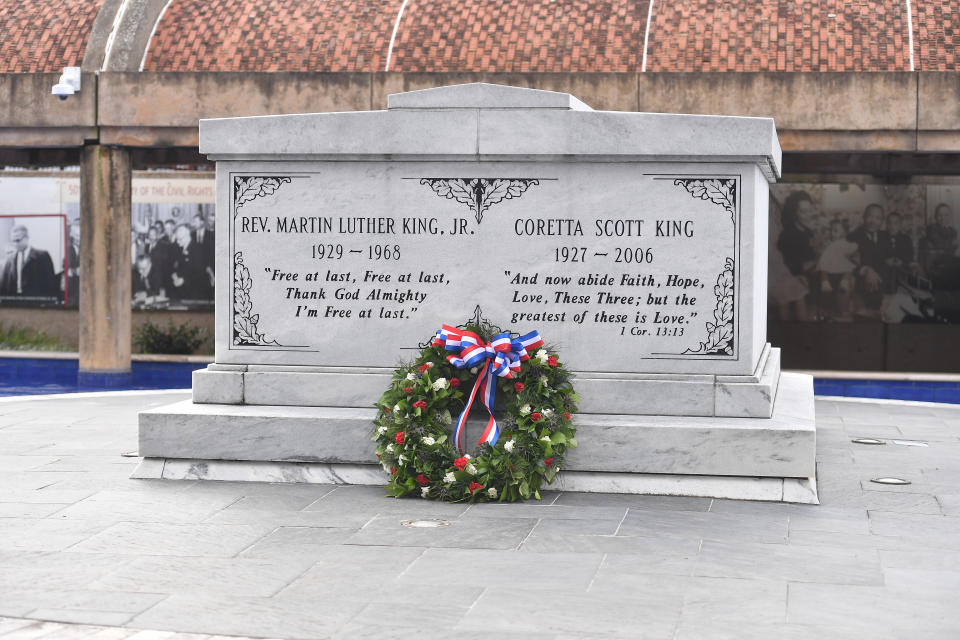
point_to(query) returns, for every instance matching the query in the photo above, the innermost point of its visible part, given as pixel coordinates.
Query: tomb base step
(748, 396)
(797, 490)
(782, 446)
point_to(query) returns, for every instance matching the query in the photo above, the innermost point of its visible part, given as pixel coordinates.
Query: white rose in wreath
(440, 383)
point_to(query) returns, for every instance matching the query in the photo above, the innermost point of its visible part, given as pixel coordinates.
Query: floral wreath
(523, 444)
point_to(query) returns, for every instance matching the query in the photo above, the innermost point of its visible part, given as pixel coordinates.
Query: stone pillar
(105, 267)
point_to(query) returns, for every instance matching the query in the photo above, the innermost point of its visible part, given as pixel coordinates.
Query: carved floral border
(479, 193)
(246, 331)
(720, 331)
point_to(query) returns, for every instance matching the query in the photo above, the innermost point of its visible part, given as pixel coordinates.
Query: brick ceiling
(504, 35)
(44, 35)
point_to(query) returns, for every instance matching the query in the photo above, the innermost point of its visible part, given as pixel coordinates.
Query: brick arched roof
(507, 35)
(273, 35)
(38, 36)
(520, 36)
(936, 34)
(779, 35)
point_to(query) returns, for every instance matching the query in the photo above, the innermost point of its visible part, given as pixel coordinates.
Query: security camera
(69, 83)
(63, 90)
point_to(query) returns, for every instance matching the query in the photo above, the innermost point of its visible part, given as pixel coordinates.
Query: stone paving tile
(866, 429)
(929, 559)
(232, 615)
(647, 614)
(485, 533)
(748, 630)
(35, 570)
(153, 506)
(162, 539)
(735, 601)
(708, 525)
(47, 534)
(412, 616)
(346, 500)
(804, 538)
(676, 548)
(290, 518)
(949, 503)
(836, 565)
(380, 578)
(834, 525)
(490, 568)
(561, 512)
(668, 503)
(240, 490)
(924, 531)
(11, 463)
(908, 614)
(651, 556)
(578, 526)
(109, 618)
(300, 542)
(112, 603)
(173, 574)
(355, 630)
(29, 509)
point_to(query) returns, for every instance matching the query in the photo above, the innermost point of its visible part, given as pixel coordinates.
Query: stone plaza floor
(86, 552)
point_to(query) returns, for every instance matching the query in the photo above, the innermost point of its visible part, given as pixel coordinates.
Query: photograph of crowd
(847, 252)
(34, 270)
(172, 246)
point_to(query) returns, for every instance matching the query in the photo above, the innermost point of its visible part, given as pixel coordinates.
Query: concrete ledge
(798, 490)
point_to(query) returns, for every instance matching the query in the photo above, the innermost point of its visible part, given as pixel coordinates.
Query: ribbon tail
(462, 419)
(492, 431)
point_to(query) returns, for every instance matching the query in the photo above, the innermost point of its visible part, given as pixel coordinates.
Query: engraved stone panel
(624, 267)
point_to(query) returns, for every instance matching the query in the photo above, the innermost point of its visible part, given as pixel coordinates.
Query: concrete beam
(839, 112)
(169, 99)
(26, 102)
(797, 101)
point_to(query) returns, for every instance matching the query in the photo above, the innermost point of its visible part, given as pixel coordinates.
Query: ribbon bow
(501, 358)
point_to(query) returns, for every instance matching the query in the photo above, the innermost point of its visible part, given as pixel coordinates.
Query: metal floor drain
(890, 481)
(911, 443)
(425, 524)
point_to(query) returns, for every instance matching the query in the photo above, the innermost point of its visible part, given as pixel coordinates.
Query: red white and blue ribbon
(500, 358)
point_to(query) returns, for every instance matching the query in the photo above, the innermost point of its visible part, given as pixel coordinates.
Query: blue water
(29, 376)
(922, 390)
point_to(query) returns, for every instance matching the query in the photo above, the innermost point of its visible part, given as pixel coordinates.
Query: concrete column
(105, 267)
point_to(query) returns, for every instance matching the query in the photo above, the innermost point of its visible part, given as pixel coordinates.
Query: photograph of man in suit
(189, 278)
(203, 237)
(145, 281)
(872, 242)
(28, 271)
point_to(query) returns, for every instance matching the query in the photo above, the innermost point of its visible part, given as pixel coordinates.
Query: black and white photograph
(172, 253)
(34, 269)
(849, 252)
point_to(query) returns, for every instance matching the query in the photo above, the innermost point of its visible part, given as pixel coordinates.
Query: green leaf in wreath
(524, 490)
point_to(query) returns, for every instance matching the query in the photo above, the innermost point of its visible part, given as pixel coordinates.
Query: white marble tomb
(633, 242)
